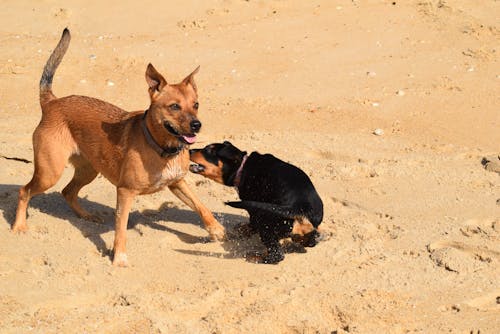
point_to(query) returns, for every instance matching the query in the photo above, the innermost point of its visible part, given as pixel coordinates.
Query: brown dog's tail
(55, 58)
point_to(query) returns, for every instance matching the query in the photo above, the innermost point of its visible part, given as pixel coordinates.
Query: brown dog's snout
(195, 125)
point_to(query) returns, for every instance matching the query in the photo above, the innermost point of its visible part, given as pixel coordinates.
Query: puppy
(279, 197)
(139, 152)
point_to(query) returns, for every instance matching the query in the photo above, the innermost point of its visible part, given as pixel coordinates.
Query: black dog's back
(279, 197)
(279, 188)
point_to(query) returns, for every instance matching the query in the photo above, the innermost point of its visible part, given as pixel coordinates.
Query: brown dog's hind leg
(84, 174)
(182, 191)
(124, 200)
(49, 166)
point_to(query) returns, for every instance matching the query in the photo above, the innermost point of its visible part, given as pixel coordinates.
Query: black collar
(163, 152)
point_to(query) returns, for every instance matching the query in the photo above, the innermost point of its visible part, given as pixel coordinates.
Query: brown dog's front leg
(124, 199)
(182, 191)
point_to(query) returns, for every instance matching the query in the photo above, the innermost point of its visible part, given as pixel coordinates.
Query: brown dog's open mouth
(196, 168)
(187, 139)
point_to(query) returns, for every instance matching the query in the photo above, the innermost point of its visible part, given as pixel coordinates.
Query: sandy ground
(413, 213)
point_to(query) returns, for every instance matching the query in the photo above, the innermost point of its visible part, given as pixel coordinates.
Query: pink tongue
(190, 139)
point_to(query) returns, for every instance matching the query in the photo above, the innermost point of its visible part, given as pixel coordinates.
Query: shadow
(239, 242)
(242, 245)
(55, 205)
(247, 249)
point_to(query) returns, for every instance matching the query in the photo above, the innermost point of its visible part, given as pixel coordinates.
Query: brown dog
(139, 152)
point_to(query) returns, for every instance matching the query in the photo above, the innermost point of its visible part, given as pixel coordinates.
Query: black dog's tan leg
(84, 174)
(182, 191)
(124, 200)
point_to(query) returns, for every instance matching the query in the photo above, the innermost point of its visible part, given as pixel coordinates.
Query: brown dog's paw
(217, 232)
(19, 228)
(120, 260)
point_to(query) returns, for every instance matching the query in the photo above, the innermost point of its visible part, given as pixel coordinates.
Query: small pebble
(375, 104)
(371, 74)
(378, 132)
(442, 308)
(470, 69)
(110, 83)
(92, 57)
(400, 92)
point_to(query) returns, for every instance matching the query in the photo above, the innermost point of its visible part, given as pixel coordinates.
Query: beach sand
(413, 214)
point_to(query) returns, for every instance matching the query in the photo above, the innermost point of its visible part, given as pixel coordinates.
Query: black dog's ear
(227, 143)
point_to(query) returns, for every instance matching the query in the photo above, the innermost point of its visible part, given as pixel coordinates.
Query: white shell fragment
(378, 132)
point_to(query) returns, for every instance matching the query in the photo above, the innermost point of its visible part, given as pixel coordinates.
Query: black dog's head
(218, 161)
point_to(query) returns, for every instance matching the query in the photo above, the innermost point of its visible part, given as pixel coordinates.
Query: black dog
(279, 197)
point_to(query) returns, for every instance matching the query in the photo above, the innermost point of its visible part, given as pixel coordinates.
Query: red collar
(237, 178)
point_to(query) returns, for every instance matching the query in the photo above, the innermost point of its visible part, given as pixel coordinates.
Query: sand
(413, 213)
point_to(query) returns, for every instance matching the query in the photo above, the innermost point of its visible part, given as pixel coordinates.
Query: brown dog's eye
(175, 107)
(196, 105)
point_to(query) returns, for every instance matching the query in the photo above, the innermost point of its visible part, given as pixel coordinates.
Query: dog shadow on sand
(239, 241)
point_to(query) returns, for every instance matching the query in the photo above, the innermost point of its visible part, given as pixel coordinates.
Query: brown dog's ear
(189, 80)
(154, 79)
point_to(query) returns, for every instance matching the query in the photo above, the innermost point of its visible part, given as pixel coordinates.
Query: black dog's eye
(175, 107)
(196, 105)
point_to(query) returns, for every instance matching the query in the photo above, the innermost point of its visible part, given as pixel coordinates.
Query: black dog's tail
(286, 212)
(55, 58)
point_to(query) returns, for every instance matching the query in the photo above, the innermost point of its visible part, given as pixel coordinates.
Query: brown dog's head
(172, 114)
(218, 162)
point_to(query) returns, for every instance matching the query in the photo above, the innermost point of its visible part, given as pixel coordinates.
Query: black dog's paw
(274, 255)
(270, 258)
(254, 257)
(289, 246)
